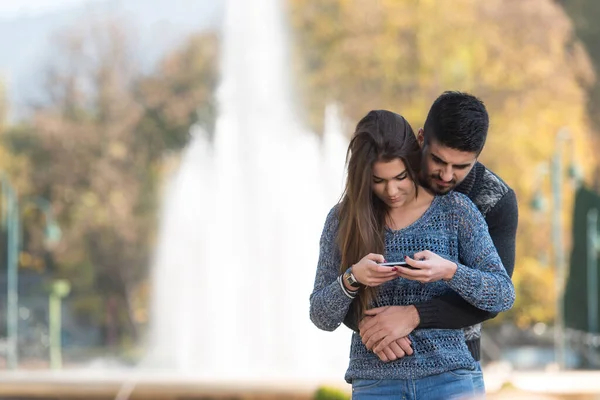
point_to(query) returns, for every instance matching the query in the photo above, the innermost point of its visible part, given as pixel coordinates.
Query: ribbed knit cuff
(428, 315)
(463, 279)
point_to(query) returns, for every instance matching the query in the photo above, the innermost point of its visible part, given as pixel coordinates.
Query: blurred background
(116, 127)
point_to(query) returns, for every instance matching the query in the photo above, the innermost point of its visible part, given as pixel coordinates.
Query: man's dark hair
(459, 121)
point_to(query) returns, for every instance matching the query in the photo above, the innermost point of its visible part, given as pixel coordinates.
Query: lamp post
(52, 231)
(557, 179)
(60, 288)
(12, 226)
(10, 222)
(592, 270)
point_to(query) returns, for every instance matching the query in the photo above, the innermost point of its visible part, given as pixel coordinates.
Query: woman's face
(392, 184)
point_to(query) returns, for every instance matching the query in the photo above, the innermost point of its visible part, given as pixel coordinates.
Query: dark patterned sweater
(453, 228)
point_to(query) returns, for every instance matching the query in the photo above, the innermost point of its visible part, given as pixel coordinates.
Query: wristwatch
(350, 279)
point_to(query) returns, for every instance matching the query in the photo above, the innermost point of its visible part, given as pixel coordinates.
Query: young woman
(385, 215)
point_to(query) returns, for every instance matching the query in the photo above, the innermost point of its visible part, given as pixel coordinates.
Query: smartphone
(402, 264)
(394, 264)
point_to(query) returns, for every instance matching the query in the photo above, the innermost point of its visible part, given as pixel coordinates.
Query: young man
(451, 141)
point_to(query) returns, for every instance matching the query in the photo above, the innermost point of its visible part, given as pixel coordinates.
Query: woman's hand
(369, 273)
(395, 350)
(428, 267)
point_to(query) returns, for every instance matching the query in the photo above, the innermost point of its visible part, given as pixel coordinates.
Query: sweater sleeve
(502, 221)
(480, 277)
(451, 311)
(328, 302)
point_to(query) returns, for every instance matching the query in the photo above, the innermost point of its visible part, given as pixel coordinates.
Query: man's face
(443, 168)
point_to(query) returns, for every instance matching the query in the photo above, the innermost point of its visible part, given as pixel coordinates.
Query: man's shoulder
(489, 190)
(491, 182)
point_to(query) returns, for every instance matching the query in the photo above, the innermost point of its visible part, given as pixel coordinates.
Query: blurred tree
(576, 293)
(180, 95)
(3, 106)
(520, 57)
(96, 147)
(585, 15)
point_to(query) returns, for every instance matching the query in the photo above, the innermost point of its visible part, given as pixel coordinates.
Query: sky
(27, 28)
(14, 8)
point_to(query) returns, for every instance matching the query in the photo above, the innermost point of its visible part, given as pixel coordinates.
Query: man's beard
(427, 180)
(438, 189)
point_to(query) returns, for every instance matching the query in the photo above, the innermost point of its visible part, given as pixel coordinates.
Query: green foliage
(329, 393)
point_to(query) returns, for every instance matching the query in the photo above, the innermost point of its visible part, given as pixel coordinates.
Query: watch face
(351, 279)
(348, 278)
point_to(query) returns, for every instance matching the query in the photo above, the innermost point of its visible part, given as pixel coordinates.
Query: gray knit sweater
(453, 228)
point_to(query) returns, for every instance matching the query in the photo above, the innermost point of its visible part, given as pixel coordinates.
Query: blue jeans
(457, 384)
(478, 383)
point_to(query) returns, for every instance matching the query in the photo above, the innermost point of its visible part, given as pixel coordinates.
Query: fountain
(238, 245)
(239, 238)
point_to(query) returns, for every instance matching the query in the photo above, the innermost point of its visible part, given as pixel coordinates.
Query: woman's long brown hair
(380, 136)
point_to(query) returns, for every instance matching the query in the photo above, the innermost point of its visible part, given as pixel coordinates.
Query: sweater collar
(467, 185)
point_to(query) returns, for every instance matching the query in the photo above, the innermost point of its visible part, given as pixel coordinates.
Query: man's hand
(384, 325)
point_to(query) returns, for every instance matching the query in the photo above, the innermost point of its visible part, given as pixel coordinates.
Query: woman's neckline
(418, 220)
